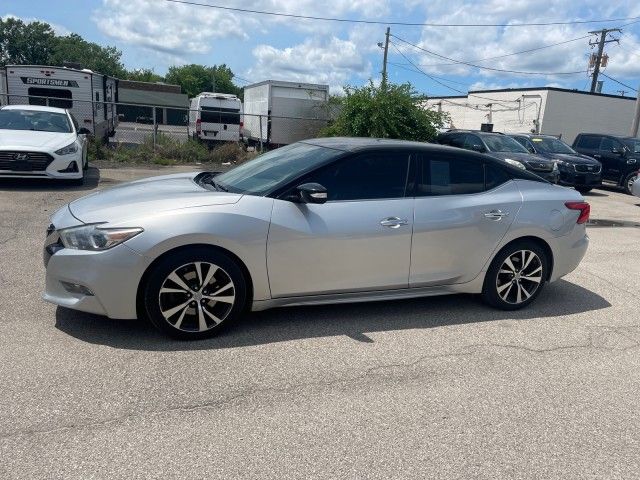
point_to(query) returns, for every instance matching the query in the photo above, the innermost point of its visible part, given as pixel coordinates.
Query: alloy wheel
(196, 297)
(519, 277)
(630, 181)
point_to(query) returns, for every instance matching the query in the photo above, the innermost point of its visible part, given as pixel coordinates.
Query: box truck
(280, 113)
(89, 96)
(215, 117)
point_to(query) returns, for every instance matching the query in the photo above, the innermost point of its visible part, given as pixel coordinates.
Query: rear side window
(588, 141)
(366, 176)
(494, 176)
(449, 176)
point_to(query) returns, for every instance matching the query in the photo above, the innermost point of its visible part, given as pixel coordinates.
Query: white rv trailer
(280, 113)
(215, 117)
(89, 96)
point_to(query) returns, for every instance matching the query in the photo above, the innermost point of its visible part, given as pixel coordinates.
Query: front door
(612, 159)
(463, 209)
(359, 240)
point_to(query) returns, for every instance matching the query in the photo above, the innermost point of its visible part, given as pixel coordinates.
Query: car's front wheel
(628, 182)
(193, 293)
(516, 276)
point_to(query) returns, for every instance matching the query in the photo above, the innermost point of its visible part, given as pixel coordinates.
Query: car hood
(147, 197)
(25, 139)
(572, 158)
(526, 158)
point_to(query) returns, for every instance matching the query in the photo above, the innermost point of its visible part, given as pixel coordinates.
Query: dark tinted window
(365, 176)
(458, 140)
(449, 176)
(55, 97)
(494, 176)
(220, 115)
(609, 145)
(588, 141)
(472, 142)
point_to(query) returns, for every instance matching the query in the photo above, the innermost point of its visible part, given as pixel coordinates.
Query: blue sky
(156, 34)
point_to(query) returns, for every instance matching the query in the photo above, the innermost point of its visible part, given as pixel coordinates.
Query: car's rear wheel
(193, 294)
(628, 182)
(584, 189)
(516, 276)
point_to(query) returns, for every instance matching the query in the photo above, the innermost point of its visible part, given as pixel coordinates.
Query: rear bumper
(568, 252)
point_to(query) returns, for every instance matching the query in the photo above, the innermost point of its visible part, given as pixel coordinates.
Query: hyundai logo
(21, 156)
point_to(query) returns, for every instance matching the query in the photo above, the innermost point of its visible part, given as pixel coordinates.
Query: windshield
(34, 120)
(500, 143)
(552, 145)
(261, 175)
(632, 145)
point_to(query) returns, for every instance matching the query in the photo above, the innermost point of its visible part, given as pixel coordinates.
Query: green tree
(74, 48)
(195, 79)
(143, 75)
(387, 111)
(25, 43)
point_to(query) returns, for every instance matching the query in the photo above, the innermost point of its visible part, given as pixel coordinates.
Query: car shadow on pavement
(353, 320)
(91, 180)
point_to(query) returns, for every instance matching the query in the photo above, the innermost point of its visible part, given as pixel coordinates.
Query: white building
(555, 111)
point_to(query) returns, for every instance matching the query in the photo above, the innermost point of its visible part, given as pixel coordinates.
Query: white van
(88, 95)
(215, 117)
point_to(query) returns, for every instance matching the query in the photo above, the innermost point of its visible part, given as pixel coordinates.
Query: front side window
(34, 120)
(610, 145)
(441, 175)
(275, 168)
(366, 176)
(633, 145)
(472, 142)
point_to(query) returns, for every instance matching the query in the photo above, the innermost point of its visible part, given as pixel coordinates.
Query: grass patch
(168, 151)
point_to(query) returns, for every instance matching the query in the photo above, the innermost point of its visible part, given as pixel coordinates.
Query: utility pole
(384, 59)
(636, 117)
(600, 43)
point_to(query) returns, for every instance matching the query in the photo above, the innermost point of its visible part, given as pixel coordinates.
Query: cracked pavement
(437, 387)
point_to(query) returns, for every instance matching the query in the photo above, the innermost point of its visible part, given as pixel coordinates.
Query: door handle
(393, 222)
(595, 155)
(496, 215)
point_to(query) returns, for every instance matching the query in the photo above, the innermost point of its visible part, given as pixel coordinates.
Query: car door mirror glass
(312, 193)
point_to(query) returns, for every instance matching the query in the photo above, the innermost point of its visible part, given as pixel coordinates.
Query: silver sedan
(320, 221)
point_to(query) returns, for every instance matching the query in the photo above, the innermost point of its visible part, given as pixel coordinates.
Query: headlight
(515, 163)
(92, 237)
(71, 148)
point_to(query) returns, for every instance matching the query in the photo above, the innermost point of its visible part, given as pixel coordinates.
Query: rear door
(463, 209)
(359, 240)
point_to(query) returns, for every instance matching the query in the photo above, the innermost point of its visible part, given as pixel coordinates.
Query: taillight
(583, 207)
(198, 125)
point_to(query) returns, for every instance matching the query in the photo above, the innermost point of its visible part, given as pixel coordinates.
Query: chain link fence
(129, 124)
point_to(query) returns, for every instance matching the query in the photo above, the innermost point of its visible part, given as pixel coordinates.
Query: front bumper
(34, 169)
(112, 276)
(578, 179)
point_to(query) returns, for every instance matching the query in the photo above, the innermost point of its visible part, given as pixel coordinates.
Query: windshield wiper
(218, 186)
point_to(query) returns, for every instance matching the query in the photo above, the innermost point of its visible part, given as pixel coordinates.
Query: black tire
(494, 279)
(186, 326)
(85, 163)
(584, 189)
(628, 181)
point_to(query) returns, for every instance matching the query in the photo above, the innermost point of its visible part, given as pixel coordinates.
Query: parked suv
(576, 170)
(503, 148)
(619, 155)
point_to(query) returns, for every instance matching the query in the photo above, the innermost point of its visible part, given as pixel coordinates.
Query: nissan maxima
(41, 142)
(317, 222)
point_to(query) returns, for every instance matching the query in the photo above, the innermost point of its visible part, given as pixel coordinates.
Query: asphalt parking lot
(429, 388)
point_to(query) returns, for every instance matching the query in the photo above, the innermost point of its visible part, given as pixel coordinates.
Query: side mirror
(477, 148)
(531, 149)
(84, 131)
(312, 193)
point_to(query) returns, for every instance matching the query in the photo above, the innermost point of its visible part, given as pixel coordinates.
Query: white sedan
(41, 142)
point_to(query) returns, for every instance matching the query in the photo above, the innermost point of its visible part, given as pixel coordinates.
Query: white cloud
(57, 28)
(314, 61)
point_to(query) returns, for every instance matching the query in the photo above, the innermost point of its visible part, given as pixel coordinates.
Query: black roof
(624, 137)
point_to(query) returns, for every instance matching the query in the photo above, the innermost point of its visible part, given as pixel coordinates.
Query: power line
(406, 24)
(403, 67)
(486, 68)
(617, 81)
